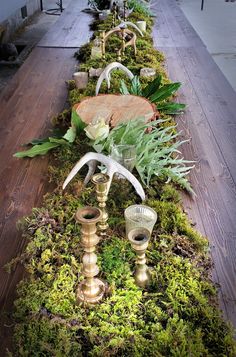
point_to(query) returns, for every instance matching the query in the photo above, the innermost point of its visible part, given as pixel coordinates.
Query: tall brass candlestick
(123, 41)
(139, 239)
(91, 289)
(125, 8)
(103, 44)
(101, 183)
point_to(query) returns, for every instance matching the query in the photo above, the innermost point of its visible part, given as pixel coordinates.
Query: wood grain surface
(71, 30)
(115, 109)
(36, 93)
(210, 124)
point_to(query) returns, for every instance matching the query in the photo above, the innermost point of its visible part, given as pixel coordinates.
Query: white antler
(124, 24)
(112, 168)
(106, 74)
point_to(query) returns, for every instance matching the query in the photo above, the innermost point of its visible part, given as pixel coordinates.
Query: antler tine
(106, 73)
(92, 167)
(112, 168)
(129, 23)
(84, 160)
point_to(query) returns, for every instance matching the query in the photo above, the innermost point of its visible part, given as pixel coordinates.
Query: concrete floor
(30, 35)
(216, 25)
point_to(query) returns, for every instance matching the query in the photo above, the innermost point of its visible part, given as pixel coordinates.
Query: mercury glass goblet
(139, 216)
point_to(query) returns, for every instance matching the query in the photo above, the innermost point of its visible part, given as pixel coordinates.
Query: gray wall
(10, 15)
(9, 7)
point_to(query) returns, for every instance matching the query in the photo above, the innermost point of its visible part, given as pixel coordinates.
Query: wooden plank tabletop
(210, 124)
(36, 93)
(68, 31)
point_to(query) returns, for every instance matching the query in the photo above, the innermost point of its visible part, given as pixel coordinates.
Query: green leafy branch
(43, 146)
(156, 93)
(157, 151)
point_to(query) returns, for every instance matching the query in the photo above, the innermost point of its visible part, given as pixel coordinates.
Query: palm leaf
(171, 108)
(152, 87)
(164, 92)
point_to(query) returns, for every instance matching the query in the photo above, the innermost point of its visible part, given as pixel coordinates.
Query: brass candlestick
(101, 182)
(123, 41)
(103, 44)
(125, 8)
(119, 55)
(91, 289)
(139, 239)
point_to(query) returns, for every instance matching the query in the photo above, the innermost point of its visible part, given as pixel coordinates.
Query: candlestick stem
(91, 289)
(101, 184)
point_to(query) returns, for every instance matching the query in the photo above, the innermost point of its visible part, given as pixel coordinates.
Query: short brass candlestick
(139, 239)
(91, 289)
(101, 183)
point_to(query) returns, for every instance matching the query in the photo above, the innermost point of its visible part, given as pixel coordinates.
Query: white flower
(97, 130)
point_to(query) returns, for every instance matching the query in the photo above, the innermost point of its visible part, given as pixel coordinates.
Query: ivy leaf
(164, 92)
(41, 149)
(152, 87)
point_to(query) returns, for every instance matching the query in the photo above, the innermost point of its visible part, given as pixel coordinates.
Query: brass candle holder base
(90, 294)
(101, 182)
(139, 239)
(91, 289)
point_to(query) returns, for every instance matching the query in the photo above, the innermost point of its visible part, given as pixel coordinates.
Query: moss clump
(176, 316)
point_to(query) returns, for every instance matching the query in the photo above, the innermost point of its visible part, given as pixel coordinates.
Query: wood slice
(115, 108)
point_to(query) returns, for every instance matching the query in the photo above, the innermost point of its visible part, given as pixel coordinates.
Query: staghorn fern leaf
(157, 151)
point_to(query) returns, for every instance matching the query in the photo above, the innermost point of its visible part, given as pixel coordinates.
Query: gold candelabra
(101, 182)
(91, 289)
(139, 239)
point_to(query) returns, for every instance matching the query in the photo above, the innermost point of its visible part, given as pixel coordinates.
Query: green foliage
(152, 87)
(141, 7)
(43, 146)
(155, 93)
(174, 317)
(39, 149)
(164, 92)
(177, 315)
(156, 150)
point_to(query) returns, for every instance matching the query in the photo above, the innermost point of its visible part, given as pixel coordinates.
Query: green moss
(176, 316)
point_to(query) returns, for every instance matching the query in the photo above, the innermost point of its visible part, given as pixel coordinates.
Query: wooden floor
(69, 30)
(210, 124)
(35, 94)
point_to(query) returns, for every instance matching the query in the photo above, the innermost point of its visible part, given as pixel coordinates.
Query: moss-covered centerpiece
(177, 314)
